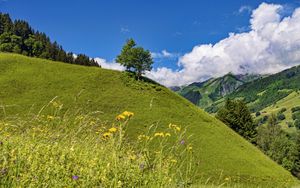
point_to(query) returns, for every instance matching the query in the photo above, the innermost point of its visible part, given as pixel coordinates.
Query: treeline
(18, 37)
(281, 147)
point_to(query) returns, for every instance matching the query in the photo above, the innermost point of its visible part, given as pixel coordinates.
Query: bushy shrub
(295, 109)
(297, 123)
(296, 115)
(281, 117)
(282, 110)
(289, 124)
(257, 114)
(264, 119)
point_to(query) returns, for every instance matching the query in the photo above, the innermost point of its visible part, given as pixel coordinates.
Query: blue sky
(100, 28)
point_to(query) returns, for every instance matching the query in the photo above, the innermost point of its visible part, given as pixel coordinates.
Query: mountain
(277, 94)
(266, 91)
(28, 84)
(204, 94)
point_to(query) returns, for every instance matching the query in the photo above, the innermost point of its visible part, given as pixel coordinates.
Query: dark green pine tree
(19, 37)
(237, 116)
(6, 24)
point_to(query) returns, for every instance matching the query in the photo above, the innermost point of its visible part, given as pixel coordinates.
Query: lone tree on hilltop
(135, 59)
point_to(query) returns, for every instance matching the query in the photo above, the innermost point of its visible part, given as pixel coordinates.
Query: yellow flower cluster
(124, 115)
(143, 137)
(106, 135)
(109, 133)
(56, 104)
(112, 130)
(175, 127)
(161, 134)
(132, 157)
(50, 117)
(173, 161)
(128, 114)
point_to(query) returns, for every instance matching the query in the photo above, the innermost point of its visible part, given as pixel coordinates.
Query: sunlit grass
(58, 150)
(27, 84)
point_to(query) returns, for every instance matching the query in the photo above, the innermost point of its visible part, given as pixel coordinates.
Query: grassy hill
(27, 84)
(283, 106)
(204, 94)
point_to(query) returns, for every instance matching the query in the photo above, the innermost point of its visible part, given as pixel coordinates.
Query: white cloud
(164, 54)
(242, 29)
(271, 45)
(109, 65)
(245, 8)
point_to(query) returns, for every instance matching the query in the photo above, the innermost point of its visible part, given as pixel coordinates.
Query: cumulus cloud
(271, 45)
(109, 65)
(164, 54)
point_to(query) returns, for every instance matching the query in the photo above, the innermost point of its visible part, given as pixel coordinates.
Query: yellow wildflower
(161, 134)
(174, 161)
(175, 127)
(167, 134)
(143, 137)
(120, 117)
(112, 130)
(227, 179)
(190, 148)
(127, 114)
(50, 117)
(56, 104)
(106, 135)
(132, 157)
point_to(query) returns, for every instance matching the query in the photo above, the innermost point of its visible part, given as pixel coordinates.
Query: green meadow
(65, 147)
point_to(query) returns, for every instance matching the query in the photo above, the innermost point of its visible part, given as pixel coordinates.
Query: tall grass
(72, 149)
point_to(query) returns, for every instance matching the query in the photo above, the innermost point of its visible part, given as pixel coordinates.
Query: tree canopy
(279, 146)
(134, 58)
(18, 37)
(237, 116)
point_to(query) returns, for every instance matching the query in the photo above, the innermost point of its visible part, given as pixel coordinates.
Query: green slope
(29, 83)
(287, 103)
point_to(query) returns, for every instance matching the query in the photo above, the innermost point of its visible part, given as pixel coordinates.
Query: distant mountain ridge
(204, 94)
(268, 90)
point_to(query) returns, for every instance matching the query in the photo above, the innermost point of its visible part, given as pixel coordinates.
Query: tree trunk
(139, 74)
